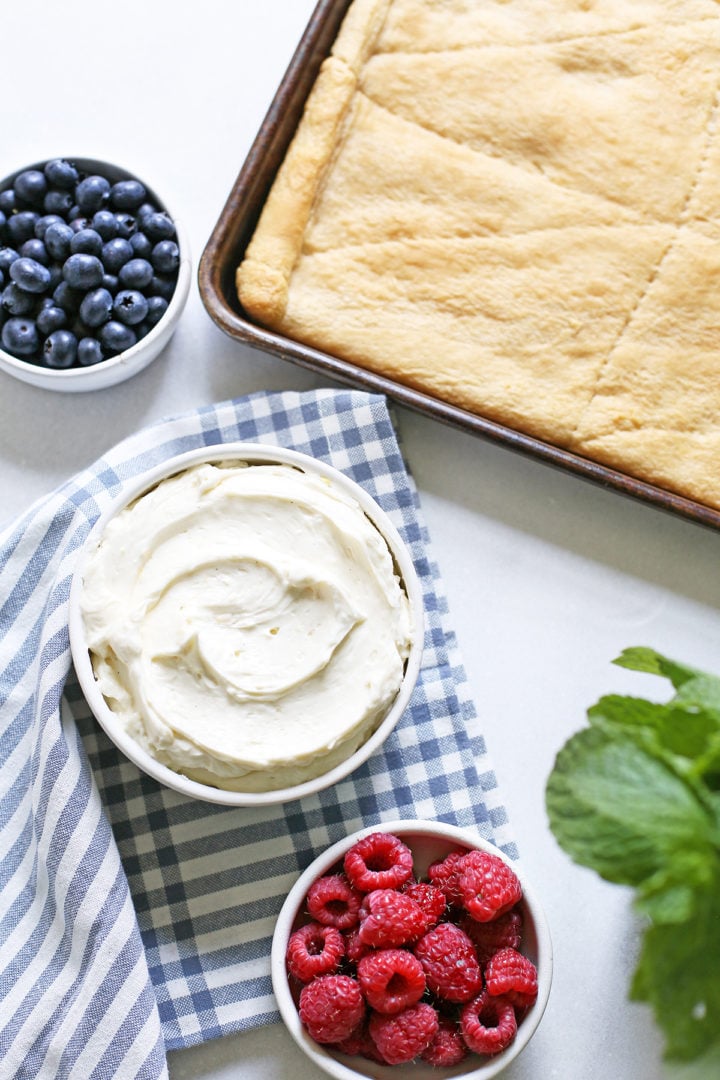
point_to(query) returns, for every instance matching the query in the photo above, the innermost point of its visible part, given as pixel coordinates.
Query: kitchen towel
(133, 919)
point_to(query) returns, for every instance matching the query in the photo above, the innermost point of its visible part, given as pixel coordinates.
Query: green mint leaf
(641, 658)
(628, 711)
(677, 975)
(616, 808)
(636, 796)
(680, 729)
(674, 904)
(701, 692)
(670, 895)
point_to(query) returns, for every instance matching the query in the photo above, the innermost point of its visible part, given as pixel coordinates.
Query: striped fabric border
(132, 919)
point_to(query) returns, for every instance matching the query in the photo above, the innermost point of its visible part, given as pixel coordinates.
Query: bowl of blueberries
(94, 274)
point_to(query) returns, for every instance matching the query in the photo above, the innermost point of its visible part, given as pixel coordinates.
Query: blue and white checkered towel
(133, 919)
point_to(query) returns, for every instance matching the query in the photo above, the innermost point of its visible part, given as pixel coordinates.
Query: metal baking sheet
(234, 229)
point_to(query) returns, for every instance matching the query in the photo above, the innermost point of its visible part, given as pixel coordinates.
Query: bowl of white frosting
(246, 624)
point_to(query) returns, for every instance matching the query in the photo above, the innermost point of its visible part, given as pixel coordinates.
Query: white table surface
(548, 577)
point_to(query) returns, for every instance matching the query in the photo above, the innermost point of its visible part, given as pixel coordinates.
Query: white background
(548, 577)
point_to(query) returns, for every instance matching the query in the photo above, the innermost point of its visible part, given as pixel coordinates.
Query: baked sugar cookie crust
(514, 208)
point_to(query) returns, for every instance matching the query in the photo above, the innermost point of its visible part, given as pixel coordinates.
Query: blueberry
(78, 222)
(7, 255)
(29, 275)
(130, 307)
(115, 254)
(57, 240)
(92, 193)
(145, 210)
(20, 337)
(35, 249)
(8, 202)
(81, 329)
(162, 286)
(43, 224)
(30, 186)
(127, 195)
(158, 226)
(60, 349)
(57, 202)
(165, 257)
(51, 318)
(67, 298)
(157, 306)
(89, 351)
(2, 279)
(115, 337)
(83, 271)
(21, 227)
(86, 241)
(16, 301)
(126, 225)
(103, 222)
(55, 276)
(96, 307)
(61, 173)
(3, 223)
(111, 283)
(142, 245)
(136, 274)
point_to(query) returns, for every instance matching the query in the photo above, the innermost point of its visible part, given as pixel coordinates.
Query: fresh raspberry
(359, 1044)
(488, 1024)
(314, 950)
(445, 873)
(389, 918)
(378, 861)
(448, 959)
(488, 886)
(447, 1048)
(331, 1007)
(333, 902)
(505, 932)
(391, 980)
(404, 1036)
(430, 898)
(354, 948)
(510, 974)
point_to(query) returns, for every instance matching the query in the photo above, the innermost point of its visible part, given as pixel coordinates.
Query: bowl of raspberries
(94, 274)
(413, 946)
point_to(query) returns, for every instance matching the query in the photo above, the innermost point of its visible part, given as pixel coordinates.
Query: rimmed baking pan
(234, 229)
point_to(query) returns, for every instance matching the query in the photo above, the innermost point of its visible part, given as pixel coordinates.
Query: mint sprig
(636, 797)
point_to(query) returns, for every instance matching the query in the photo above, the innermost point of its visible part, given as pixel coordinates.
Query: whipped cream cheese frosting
(246, 624)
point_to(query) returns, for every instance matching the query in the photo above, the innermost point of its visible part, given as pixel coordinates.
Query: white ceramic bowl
(116, 368)
(255, 453)
(428, 841)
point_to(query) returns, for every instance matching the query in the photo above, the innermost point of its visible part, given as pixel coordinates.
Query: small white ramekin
(253, 453)
(116, 368)
(428, 841)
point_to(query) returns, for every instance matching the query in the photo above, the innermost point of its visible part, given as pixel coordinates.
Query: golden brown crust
(420, 26)
(263, 277)
(657, 394)
(516, 208)
(404, 310)
(359, 32)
